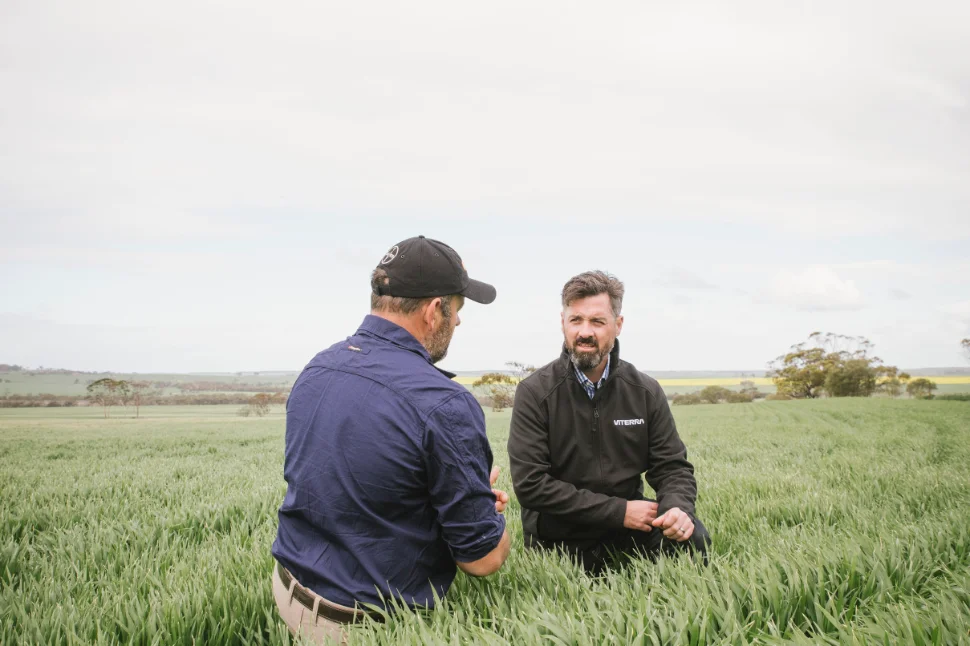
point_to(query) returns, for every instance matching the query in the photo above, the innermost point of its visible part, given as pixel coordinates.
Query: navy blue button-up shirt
(386, 466)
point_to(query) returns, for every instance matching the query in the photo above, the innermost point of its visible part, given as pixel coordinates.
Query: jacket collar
(381, 328)
(566, 363)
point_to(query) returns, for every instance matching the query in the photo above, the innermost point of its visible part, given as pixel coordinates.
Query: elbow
(530, 492)
(491, 562)
(481, 567)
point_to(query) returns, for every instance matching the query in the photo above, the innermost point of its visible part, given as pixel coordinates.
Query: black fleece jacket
(576, 461)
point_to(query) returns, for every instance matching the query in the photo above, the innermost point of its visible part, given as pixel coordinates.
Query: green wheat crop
(839, 521)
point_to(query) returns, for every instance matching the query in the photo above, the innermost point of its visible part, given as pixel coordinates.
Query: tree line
(151, 398)
(107, 392)
(836, 365)
(825, 365)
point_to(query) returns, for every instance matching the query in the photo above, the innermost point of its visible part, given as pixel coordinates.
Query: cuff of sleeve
(484, 545)
(617, 513)
(666, 504)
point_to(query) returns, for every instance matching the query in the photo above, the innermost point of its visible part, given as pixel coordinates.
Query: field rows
(839, 521)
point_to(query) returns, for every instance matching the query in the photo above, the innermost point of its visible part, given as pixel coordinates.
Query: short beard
(437, 345)
(586, 361)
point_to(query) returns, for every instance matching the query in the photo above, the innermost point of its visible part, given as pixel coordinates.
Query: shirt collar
(393, 333)
(587, 383)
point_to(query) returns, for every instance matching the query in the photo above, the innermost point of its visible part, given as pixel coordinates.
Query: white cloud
(655, 111)
(157, 170)
(958, 313)
(817, 288)
(898, 294)
(680, 278)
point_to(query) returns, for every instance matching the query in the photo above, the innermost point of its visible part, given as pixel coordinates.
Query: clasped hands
(642, 515)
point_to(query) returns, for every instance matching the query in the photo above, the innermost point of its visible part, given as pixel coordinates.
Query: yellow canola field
(715, 381)
(949, 379)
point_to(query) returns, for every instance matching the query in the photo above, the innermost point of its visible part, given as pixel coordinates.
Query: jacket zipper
(597, 440)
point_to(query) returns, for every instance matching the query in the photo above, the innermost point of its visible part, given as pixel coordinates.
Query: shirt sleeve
(459, 460)
(668, 471)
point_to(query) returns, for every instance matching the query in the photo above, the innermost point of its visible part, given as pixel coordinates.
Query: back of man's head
(418, 269)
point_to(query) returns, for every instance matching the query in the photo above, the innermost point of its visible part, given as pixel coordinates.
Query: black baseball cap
(421, 268)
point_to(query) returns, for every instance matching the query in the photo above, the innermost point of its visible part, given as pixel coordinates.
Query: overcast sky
(192, 186)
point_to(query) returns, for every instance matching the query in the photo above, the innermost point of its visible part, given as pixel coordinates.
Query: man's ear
(562, 321)
(429, 315)
(619, 324)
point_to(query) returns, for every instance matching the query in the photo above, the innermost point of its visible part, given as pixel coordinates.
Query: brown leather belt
(325, 608)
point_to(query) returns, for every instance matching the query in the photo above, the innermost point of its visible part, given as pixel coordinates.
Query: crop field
(838, 521)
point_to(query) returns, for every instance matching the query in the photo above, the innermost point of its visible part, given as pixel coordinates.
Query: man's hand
(640, 515)
(676, 525)
(501, 498)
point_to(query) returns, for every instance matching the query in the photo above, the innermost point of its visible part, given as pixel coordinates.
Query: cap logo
(390, 255)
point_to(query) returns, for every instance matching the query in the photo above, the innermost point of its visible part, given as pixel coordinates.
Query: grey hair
(593, 283)
(399, 304)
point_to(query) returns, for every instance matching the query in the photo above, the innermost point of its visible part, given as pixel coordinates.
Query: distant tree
(500, 388)
(520, 370)
(921, 388)
(834, 364)
(103, 392)
(892, 387)
(734, 397)
(714, 394)
(965, 344)
(800, 374)
(852, 378)
(750, 389)
(686, 399)
(139, 389)
(259, 404)
(123, 392)
(889, 382)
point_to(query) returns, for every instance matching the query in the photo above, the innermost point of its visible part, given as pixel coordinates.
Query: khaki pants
(304, 622)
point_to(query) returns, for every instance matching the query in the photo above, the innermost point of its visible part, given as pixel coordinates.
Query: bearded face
(586, 354)
(590, 329)
(437, 344)
(440, 339)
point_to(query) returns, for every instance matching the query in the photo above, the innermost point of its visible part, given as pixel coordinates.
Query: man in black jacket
(584, 430)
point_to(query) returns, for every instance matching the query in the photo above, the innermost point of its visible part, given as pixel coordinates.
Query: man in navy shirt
(388, 468)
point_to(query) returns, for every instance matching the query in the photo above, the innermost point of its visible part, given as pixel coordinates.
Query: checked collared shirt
(590, 387)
